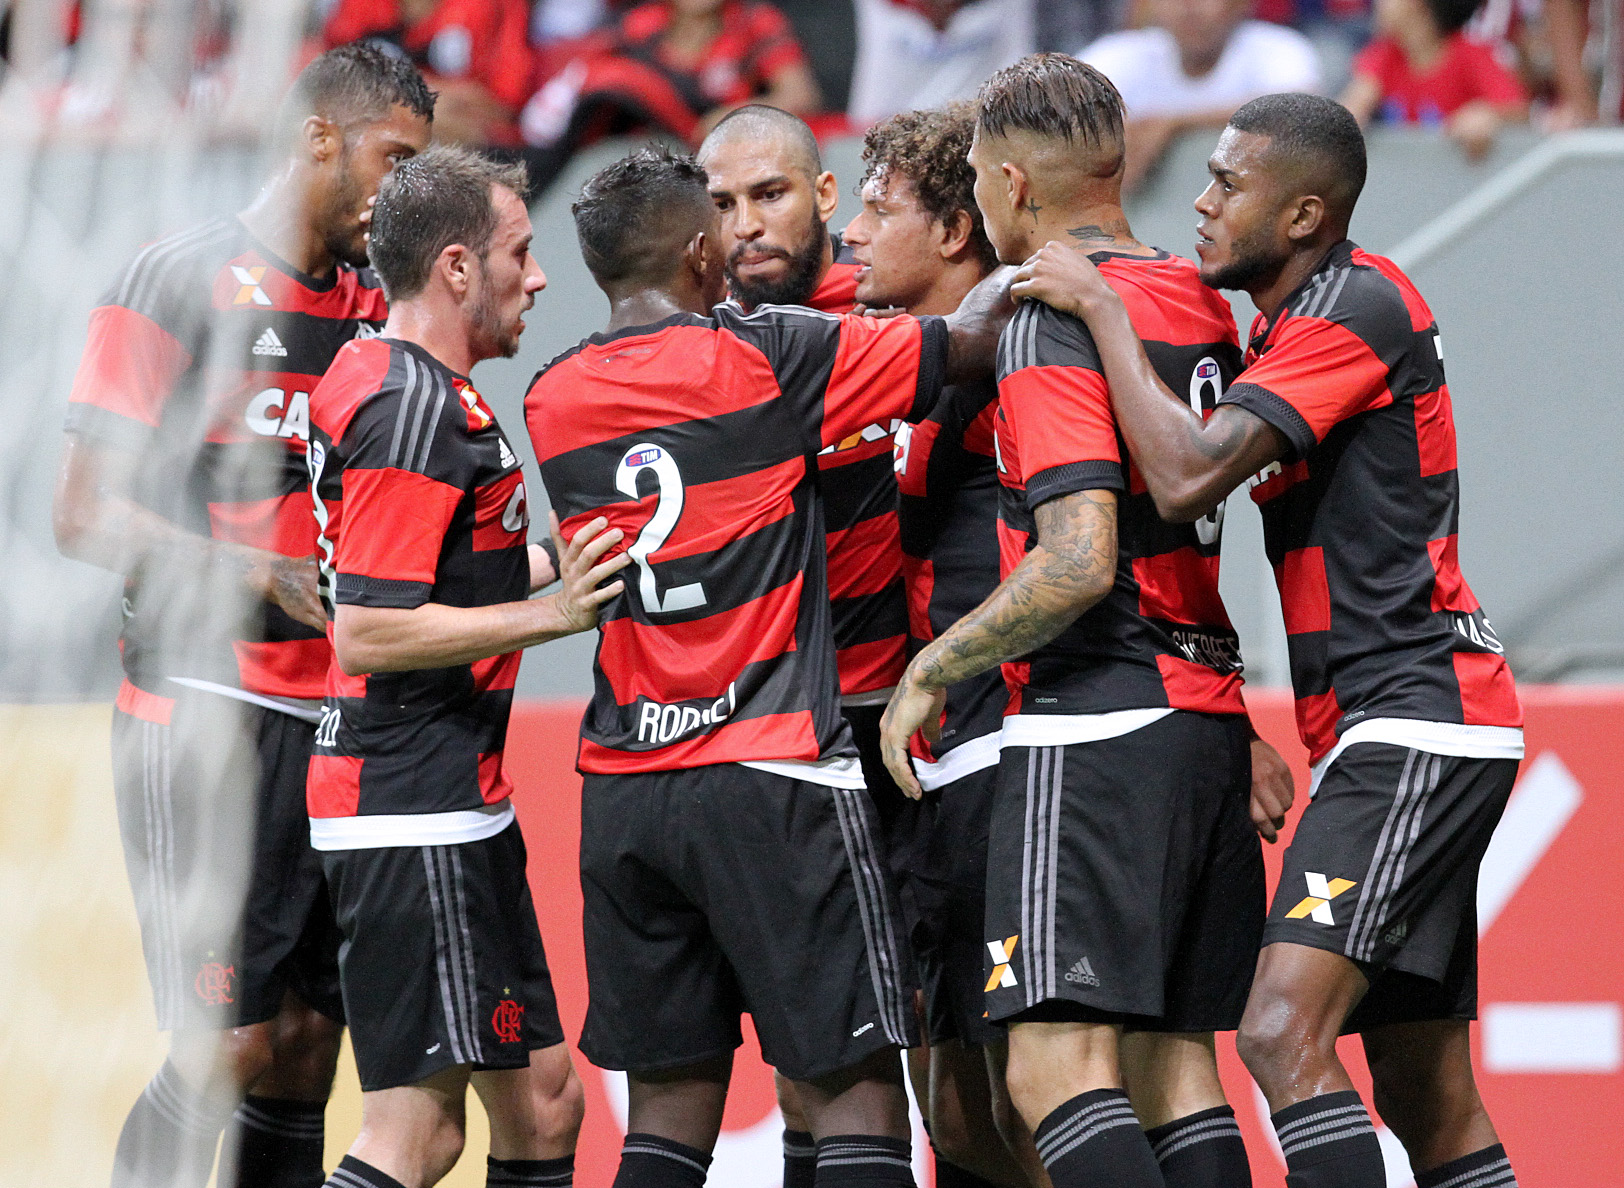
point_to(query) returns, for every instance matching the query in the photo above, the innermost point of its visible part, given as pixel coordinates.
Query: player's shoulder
(1040, 335)
(1167, 300)
(370, 379)
(185, 262)
(1366, 294)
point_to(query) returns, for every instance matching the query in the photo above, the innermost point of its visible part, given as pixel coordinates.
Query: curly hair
(928, 148)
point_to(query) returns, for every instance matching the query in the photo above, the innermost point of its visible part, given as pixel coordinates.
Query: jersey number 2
(641, 457)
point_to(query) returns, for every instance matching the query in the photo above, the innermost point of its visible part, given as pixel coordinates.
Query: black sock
(1328, 1142)
(649, 1161)
(864, 1161)
(1488, 1168)
(530, 1173)
(1095, 1139)
(169, 1137)
(951, 1175)
(352, 1173)
(279, 1143)
(1202, 1150)
(800, 1159)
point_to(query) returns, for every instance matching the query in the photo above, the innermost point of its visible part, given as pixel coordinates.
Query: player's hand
(1273, 790)
(913, 708)
(290, 582)
(888, 311)
(584, 571)
(1060, 275)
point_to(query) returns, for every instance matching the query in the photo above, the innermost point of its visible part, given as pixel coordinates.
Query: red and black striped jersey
(865, 549)
(948, 516)
(419, 498)
(695, 435)
(1161, 637)
(201, 360)
(1360, 520)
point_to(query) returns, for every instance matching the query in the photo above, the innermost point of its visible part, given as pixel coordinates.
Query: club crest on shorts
(507, 1020)
(1002, 975)
(214, 983)
(1316, 905)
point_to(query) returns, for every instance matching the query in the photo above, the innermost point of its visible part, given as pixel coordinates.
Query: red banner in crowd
(1549, 1043)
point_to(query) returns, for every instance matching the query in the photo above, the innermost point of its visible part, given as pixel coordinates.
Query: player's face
(508, 280)
(1242, 238)
(774, 232)
(998, 212)
(897, 244)
(369, 152)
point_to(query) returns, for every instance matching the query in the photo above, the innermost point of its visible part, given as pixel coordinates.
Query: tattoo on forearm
(1072, 567)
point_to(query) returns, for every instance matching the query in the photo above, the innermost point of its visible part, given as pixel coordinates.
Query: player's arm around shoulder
(1189, 463)
(1070, 568)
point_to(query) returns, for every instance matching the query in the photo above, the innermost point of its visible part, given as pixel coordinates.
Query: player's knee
(306, 1053)
(442, 1147)
(1273, 1040)
(953, 1141)
(245, 1053)
(560, 1108)
(1418, 1103)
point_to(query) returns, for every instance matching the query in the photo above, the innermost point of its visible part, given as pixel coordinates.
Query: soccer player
(919, 246)
(776, 200)
(1404, 698)
(729, 859)
(424, 564)
(184, 470)
(1124, 878)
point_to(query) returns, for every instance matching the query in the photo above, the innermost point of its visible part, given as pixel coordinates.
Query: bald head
(762, 127)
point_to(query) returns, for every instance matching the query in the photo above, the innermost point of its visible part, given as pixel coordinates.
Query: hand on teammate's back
(1063, 277)
(581, 571)
(1273, 790)
(912, 709)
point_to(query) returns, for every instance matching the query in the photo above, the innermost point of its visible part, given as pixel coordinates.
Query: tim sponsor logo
(660, 724)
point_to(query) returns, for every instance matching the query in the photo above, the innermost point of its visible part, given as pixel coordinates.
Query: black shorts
(1383, 870)
(230, 896)
(717, 890)
(951, 890)
(1125, 878)
(442, 962)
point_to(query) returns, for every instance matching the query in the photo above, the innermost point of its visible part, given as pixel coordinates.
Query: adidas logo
(1082, 974)
(506, 453)
(269, 344)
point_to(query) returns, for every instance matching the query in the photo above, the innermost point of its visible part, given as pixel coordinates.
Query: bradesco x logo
(660, 724)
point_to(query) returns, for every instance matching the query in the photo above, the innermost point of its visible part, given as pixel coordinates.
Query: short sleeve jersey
(201, 360)
(1467, 71)
(948, 515)
(1161, 637)
(1360, 520)
(697, 437)
(859, 482)
(419, 498)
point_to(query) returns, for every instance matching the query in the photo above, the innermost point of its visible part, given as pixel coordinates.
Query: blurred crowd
(542, 78)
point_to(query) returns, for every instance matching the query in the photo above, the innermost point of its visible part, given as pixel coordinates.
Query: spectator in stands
(1191, 68)
(1339, 29)
(475, 53)
(672, 66)
(1422, 69)
(919, 54)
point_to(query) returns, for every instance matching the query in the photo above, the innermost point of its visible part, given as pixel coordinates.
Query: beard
(344, 239)
(1253, 259)
(488, 329)
(797, 284)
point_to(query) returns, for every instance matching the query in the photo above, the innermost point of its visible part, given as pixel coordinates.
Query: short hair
(761, 121)
(353, 84)
(1318, 136)
(929, 149)
(1452, 15)
(634, 216)
(1053, 95)
(440, 197)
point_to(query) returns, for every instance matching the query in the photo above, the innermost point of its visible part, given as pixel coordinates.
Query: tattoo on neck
(1032, 209)
(1092, 231)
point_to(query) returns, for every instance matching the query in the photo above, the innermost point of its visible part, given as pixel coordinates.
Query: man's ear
(696, 256)
(1307, 217)
(323, 139)
(956, 230)
(456, 263)
(1018, 187)
(827, 192)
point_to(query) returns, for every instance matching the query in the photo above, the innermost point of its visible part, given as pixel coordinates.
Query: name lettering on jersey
(274, 413)
(1475, 627)
(1219, 652)
(515, 516)
(269, 344)
(661, 724)
(248, 287)
(871, 433)
(366, 330)
(1263, 476)
(327, 730)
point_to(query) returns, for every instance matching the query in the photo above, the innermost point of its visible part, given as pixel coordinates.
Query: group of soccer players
(917, 718)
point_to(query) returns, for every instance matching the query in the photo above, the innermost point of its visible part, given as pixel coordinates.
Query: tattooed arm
(1189, 464)
(1072, 567)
